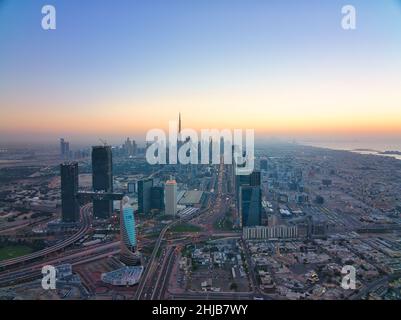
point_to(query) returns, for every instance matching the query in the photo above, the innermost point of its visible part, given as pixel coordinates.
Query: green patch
(11, 252)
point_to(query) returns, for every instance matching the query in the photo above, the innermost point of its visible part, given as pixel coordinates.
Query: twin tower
(102, 197)
(102, 181)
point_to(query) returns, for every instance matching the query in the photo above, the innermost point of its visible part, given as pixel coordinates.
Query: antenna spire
(179, 122)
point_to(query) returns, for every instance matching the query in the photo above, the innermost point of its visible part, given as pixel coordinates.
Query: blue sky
(141, 53)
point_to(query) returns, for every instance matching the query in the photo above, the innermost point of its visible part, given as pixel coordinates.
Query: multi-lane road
(145, 284)
(34, 270)
(86, 222)
(154, 282)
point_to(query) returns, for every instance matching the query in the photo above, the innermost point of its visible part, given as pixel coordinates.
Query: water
(362, 147)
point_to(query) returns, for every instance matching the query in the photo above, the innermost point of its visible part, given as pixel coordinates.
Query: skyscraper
(134, 148)
(179, 123)
(157, 198)
(253, 179)
(144, 195)
(249, 199)
(128, 147)
(128, 242)
(64, 149)
(102, 175)
(171, 197)
(250, 209)
(69, 190)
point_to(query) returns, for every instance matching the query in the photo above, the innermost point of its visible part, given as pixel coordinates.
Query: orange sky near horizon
(361, 109)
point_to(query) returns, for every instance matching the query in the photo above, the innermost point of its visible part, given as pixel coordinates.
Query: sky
(285, 68)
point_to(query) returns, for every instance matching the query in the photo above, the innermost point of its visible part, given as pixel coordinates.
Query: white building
(274, 232)
(171, 197)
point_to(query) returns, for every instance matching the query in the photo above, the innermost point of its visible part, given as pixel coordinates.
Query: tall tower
(179, 123)
(102, 175)
(144, 195)
(157, 198)
(171, 197)
(69, 190)
(249, 199)
(64, 149)
(250, 206)
(128, 242)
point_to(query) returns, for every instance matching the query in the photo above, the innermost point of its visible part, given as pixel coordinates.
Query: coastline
(358, 148)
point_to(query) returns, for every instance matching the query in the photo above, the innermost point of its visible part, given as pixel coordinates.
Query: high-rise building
(157, 198)
(171, 197)
(102, 175)
(129, 147)
(254, 179)
(69, 190)
(248, 196)
(134, 148)
(64, 149)
(129, 254)
(144, 195)
(250, 209)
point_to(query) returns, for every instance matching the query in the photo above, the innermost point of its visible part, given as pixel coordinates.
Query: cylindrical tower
(129, 254)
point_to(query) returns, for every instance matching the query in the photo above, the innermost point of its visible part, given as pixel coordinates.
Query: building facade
(102, 175)
(144, 195)
(274, 232)
(157, 198)
(128, 242)
(69, 190)
(171, 197)
(250, 210)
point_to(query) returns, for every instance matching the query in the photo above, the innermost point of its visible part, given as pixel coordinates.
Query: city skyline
(211, 150)
(286, 69)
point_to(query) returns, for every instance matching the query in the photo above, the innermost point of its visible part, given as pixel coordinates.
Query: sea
(362, 147)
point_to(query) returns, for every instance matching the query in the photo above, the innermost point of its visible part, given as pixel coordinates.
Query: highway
(164, 274)
(34, 271)
(151, 266)
(86, 222)
(152, 288)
